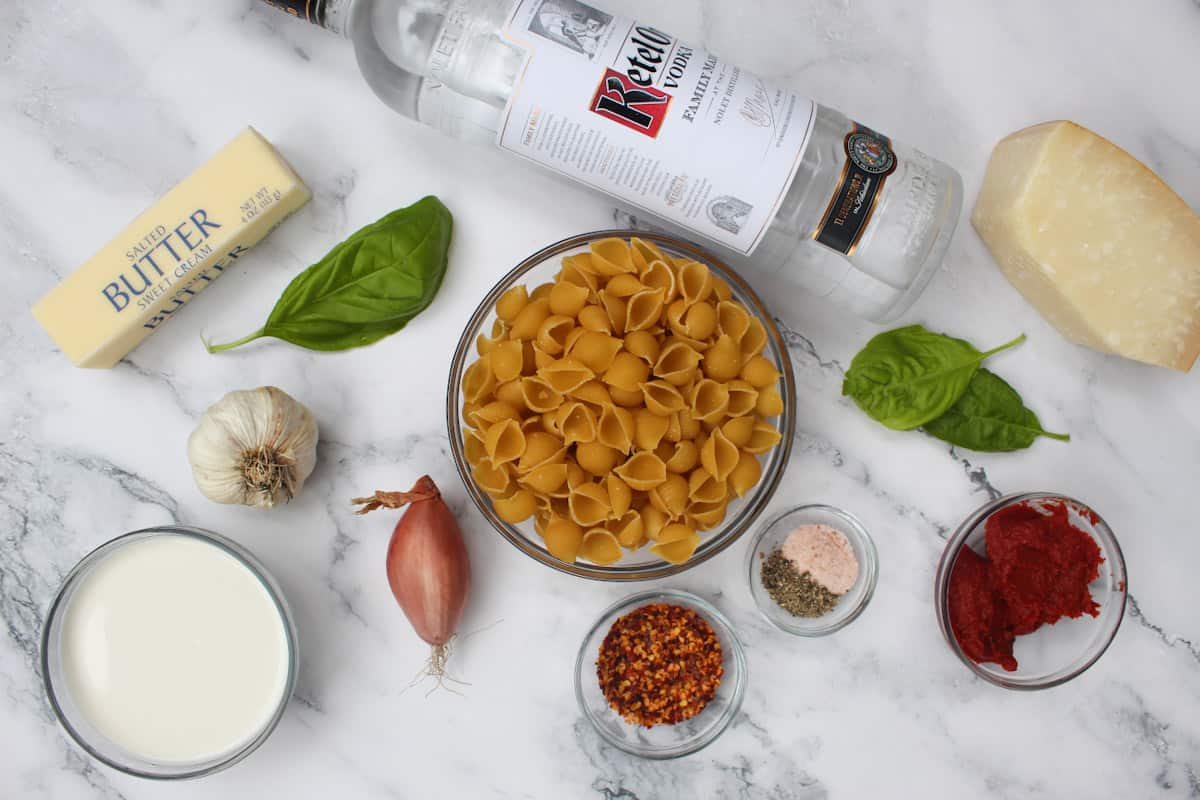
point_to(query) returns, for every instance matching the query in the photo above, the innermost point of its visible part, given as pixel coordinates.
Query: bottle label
(870, 159)
(308, 10)
(662, 125)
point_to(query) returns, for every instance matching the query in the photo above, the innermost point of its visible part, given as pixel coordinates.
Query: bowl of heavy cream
(169, 653)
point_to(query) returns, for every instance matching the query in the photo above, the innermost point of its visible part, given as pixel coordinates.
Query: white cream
(174, 650)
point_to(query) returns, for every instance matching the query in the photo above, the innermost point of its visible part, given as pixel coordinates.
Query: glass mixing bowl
(1052, 654)
(72, 717)
(641, 565)
(662, 741)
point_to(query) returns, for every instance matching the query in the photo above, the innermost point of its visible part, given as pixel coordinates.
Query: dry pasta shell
(770, 402)
(594, 318)
(512, 302)
(627, 372)
(541, 291)
(719, 455)
(695, 282)
(567, 299)
(612, 257)
(671, 496)
(491, 413)
(540, 359)
(504, 441)
(562, 538)
(626, 398)
(723, 359)
(745, 475)
(743, 398)
(733, 320)
(642, 471)
(679, 551)
(597, 458)
(624, 285)
(643, 252)
(739, 430)
(684, 457)
(763, 439)
(674, 532)
(620, 496)
(649, 428)
(491, 479)
(653, 521)
(616, 429)
(689, 426)
(538, 395)
(704, 488)
(473, 449)
(589, 504)
(595, 350)
(529, 319)
(643, 310)
(677, 363)
(565, 375)
(517, 507)
(675, 316)
(478, 381)
(662, 398)
(577, 423)
(643, 344)
(721, 289)
(710, 401)
(600, 547)
(616, 309)
(628, 529)
(755, 339)
(674, 427)
(700, 322)
(759, 372)
(507, 360)
(552, 336)
(658, 275)
(593, 392)
(541, 448)
(706, 516)
(511, 394)
(547, 478)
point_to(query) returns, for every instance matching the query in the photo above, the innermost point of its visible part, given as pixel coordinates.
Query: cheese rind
(172, 252)
(1105, 250)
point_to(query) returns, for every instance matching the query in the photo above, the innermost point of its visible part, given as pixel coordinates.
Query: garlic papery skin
(255, 447)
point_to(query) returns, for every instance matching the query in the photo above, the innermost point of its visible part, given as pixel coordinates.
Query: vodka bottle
(779, 183)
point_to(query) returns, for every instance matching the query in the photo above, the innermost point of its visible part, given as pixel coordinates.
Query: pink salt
(825, 554)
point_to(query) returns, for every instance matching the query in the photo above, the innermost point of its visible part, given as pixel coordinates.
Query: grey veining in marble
(103, 106)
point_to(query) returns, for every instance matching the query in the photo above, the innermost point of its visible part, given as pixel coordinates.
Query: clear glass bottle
(857, 218)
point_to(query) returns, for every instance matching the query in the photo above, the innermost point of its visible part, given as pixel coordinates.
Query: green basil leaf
(368, 287)
(990, 417)
(907, 377)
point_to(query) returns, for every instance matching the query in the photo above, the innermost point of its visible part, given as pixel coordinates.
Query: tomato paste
(1036, 572)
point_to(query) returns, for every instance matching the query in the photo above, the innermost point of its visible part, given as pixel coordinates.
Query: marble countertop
(105, 106)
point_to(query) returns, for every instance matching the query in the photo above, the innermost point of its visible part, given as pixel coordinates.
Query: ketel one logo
(642, 108)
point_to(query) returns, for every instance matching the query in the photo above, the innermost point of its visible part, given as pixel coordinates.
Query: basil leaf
(907, 377)
(989, 417)
(368, 287)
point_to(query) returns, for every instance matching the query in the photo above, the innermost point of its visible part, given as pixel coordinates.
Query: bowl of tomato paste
(1030, 590)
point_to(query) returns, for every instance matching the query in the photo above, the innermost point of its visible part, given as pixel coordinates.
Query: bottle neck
(333, 15)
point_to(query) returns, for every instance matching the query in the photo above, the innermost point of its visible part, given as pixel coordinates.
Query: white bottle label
(666, 127)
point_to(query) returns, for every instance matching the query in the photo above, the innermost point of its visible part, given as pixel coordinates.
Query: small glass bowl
(1053, 654)
(71, 717)
(662, 741)
(542, 266)
(850, 605)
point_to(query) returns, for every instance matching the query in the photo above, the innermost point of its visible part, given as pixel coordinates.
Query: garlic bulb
(255, 447)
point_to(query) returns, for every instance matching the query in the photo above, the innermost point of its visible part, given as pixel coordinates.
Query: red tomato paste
(1036, 572)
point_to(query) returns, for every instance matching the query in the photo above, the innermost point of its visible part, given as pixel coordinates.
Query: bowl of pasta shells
(621, 406)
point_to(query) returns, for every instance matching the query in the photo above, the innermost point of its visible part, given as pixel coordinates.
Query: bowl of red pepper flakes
(1031, 590)
(661, 674)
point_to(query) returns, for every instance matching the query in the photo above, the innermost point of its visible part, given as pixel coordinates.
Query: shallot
(427, 565)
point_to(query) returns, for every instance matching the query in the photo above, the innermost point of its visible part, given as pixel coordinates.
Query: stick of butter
(1096, 242)
(169, 254)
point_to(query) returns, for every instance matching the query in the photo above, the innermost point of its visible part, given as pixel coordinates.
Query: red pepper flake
(660, 664)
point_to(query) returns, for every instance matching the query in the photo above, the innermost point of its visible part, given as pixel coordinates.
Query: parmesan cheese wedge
(1091, 237)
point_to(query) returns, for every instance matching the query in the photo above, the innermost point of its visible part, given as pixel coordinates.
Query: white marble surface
(103, 106)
